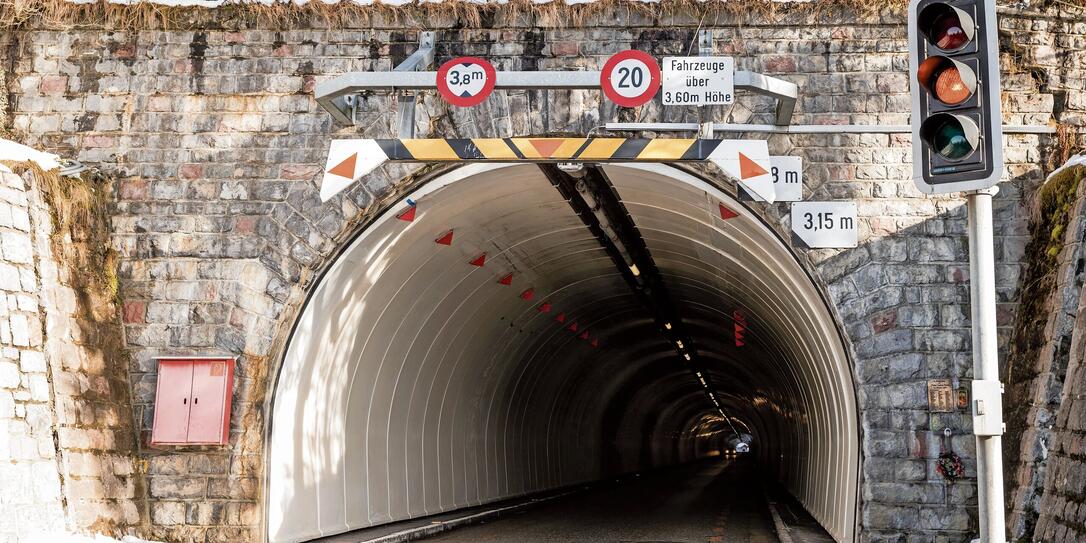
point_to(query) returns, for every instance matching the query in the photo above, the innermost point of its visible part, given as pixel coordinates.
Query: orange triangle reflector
(479, 260)
(507, 280)
(407, 215)
(726, 212)
(573, 327)
(561, 317)
(527, 295)
(445, 239)
(546, 147)
(595, 343)
(749, 168)
(345, 168)
(584, 336)
(545, 307)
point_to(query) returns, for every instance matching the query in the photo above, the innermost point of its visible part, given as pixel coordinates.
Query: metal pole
(985, 360)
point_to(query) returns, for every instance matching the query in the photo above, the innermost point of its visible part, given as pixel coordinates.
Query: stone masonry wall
(30, 470)
(68, 444)
(217, 145)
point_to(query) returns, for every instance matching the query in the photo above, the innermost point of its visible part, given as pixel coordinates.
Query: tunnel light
(680, 344)
(687, 356)
(699, 376)
(634, 270)
(667, 325)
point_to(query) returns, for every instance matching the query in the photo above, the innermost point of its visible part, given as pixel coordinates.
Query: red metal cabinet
(192, 401)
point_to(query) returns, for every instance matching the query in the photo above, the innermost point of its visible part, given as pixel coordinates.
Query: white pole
(985, 360)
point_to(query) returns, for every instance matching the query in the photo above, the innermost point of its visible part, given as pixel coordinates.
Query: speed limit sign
(630, 78)
(466, 81)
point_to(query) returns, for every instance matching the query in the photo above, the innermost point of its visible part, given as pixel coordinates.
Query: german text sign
(699, 81)
(787, 179)
(825, 225)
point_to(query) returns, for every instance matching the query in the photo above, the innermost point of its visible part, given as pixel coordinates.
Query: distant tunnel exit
(499, 338)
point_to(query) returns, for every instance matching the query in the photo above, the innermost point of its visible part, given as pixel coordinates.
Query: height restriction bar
(745, 160)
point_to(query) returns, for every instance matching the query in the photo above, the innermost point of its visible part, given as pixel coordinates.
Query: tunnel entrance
(504, 337)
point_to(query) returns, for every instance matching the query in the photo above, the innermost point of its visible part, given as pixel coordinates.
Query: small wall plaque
(941, 396)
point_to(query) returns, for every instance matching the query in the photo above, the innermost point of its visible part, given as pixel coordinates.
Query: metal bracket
(421, 59)
(330, 94)
(342, 104)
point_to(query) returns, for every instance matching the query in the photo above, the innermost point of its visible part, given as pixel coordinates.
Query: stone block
(178, 487)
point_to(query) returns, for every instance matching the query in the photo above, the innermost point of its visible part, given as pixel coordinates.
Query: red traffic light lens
(946, 27)
(948, 33)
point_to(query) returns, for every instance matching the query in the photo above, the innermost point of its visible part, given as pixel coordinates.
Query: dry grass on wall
(60, 14)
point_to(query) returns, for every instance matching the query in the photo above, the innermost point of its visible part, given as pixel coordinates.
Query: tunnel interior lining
(416, 383)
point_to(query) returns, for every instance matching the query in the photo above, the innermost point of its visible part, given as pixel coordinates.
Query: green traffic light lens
(951, 142)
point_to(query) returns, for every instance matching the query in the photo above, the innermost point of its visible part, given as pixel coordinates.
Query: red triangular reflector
(345, 168)
(595, 343)
(561, 317)
(739, 343)
(407, 215)
(584, 336)
(507, 280)
(545, 307)
(749, 168)
(479, 260)
(527, 295)
(445, 239)
(573, 327)
(546, 147)
(739, 328)
(726, 213)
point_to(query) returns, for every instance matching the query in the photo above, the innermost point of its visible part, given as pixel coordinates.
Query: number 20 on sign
(630, 78)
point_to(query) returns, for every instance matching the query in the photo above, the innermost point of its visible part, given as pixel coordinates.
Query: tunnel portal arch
(415, 382)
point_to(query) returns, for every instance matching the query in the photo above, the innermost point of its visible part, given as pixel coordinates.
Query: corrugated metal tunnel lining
(416, 382)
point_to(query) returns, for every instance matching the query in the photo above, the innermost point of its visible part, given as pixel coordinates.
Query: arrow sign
(748, 162)
(826, 225)
(347, 161)
(787, 173)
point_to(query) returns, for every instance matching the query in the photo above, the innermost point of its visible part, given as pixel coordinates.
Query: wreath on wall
(950, 466)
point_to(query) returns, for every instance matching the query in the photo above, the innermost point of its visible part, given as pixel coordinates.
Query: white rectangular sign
(826, 225)
(787, 179)
(699, 81)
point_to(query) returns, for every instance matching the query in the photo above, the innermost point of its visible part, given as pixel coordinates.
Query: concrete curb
(437, 527)
(778, 524)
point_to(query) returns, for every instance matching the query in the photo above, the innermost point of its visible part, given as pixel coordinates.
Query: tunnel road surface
(716, 502)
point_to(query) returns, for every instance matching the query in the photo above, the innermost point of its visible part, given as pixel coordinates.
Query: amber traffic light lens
(949, 87)
(948, 33)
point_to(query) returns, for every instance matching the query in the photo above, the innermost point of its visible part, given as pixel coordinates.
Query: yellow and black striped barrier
(745, 160)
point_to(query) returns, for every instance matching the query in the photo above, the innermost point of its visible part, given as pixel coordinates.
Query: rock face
(216, 144)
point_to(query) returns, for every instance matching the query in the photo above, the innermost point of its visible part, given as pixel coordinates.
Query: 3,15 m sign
(825, 225)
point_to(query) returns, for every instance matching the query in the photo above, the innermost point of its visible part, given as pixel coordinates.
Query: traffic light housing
(954, 82)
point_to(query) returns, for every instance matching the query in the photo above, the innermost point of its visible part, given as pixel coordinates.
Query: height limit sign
(699, 81)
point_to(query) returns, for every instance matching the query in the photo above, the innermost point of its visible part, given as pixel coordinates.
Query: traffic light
(956, 119)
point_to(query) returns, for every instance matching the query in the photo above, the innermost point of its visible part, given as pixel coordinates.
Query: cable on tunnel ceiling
(596, 201)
